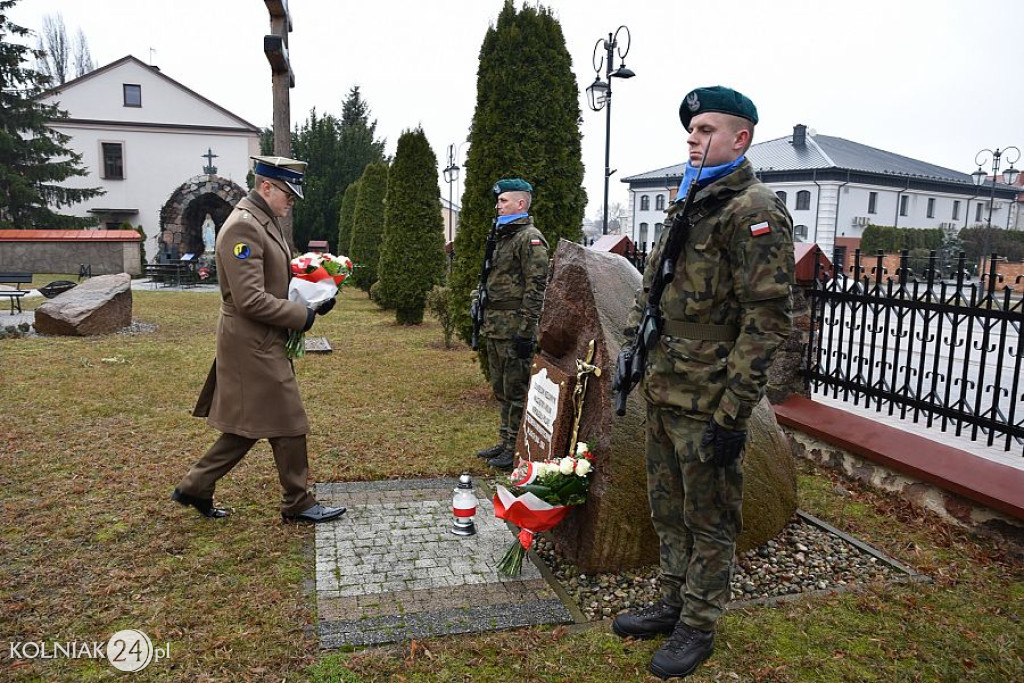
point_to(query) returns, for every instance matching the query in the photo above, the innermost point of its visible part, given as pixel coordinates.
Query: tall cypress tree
(412, 252)
(526, 125)
(346, 218)
(33, 156)
(368, 224)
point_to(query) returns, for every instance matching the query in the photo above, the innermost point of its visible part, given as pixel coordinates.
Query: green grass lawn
(95, 433)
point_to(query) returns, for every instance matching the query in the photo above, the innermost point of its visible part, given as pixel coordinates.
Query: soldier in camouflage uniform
(725, 313)
(515, 287)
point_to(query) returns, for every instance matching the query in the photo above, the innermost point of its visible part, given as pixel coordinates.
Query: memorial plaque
(544, 432)
(318, 345)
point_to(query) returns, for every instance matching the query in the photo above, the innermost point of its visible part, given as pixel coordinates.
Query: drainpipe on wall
(896, 222)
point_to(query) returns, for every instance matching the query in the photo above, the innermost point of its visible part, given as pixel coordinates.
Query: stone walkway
(390, 570)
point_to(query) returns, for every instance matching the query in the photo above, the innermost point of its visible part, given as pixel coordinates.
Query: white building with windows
(166, 156)
(835, 188)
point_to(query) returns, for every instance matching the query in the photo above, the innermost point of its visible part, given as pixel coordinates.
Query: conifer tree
(412, 252)
(346, 218)
(33, 157)
(368, 224)
(526, 125)
(337, 152)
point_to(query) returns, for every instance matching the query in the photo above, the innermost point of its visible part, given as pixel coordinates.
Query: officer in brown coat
(251, 392)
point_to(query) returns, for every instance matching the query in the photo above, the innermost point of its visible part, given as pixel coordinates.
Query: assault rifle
(629, 369)
(479, 305)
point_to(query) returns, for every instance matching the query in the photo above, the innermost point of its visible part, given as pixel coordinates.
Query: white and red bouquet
(539, 497)
(315, 279)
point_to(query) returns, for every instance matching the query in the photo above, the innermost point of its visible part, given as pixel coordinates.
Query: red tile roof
(69, 236)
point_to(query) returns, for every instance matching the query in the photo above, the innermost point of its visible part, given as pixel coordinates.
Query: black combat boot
(492, 452)
(503, 461)
(682, 652)
(658, 619)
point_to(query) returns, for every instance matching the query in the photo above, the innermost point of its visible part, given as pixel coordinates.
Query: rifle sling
(505, 305)
(700, 331)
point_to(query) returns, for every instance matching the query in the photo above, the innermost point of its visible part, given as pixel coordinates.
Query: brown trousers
(227, 451)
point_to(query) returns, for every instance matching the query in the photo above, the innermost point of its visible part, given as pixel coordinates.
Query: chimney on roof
(799, 135)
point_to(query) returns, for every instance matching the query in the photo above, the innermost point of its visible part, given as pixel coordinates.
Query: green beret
(511, 185)
(716, 98)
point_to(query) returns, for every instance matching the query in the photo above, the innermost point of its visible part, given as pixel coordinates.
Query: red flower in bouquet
(316, 278)
(541, 494)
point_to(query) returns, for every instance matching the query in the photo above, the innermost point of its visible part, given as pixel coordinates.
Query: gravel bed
(26, 329)
(802, 558)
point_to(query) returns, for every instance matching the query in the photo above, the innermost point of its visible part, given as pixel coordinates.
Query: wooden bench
(14, 278)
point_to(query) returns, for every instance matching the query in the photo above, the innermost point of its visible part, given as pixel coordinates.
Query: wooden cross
(209, 156)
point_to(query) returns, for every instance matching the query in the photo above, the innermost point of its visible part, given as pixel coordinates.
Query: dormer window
(132, 95)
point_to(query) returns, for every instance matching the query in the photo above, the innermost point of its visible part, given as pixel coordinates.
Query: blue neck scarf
(707, 176)
(503, 220)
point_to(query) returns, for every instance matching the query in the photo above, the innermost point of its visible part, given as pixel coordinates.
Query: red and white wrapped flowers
(316, 278)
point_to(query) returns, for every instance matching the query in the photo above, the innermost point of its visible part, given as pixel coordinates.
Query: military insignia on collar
(241, 250)
(759, 229)
(692, 102)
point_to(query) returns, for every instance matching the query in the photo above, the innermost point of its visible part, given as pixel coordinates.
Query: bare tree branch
(83, 58)
(53, 42)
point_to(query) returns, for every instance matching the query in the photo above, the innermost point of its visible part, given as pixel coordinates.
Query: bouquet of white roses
(315, 279)
(541, 495)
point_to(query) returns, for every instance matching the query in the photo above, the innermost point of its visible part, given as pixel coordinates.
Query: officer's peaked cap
(288, 171)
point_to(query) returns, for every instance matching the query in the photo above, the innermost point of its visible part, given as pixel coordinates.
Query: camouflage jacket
(516, 283)
(736, 270)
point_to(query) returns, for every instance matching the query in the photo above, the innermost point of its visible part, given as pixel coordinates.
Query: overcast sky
(936, 80)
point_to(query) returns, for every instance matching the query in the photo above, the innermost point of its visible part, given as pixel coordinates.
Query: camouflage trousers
(696, 512)
(510, 379)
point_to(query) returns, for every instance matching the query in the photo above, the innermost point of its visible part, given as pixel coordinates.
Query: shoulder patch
(241, 250)
(536, 242)
(759, 229)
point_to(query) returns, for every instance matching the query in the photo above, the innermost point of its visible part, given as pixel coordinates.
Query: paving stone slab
(391, 571)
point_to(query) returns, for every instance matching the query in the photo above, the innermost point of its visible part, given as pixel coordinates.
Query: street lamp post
(979, 176)
(451, 174)
(599, 95)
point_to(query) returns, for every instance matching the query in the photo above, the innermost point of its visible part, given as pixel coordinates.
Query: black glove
(325, 307)
(310, 317)
(524, 347)
(727, 444)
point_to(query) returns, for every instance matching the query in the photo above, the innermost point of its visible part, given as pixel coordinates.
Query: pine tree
(33, 157)
(526, 125)
(316, 143)
(368, 224)
(346, 218)
(337, 153)
(357, 147)
(412, 252)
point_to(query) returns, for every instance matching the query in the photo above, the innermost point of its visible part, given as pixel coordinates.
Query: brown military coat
(251, 389)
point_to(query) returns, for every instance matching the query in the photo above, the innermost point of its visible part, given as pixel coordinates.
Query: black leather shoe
(315, 514)
(683, 652)
(658, 619)
(204, 505)
(492, 452)
(502, 461)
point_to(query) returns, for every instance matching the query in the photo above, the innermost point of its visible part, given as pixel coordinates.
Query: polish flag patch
(535, 243)
(759, 229)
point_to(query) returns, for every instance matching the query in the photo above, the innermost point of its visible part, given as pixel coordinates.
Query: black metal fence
(944, 352)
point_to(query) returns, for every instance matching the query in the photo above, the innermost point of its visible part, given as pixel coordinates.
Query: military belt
(700, 331)
(504, 305)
